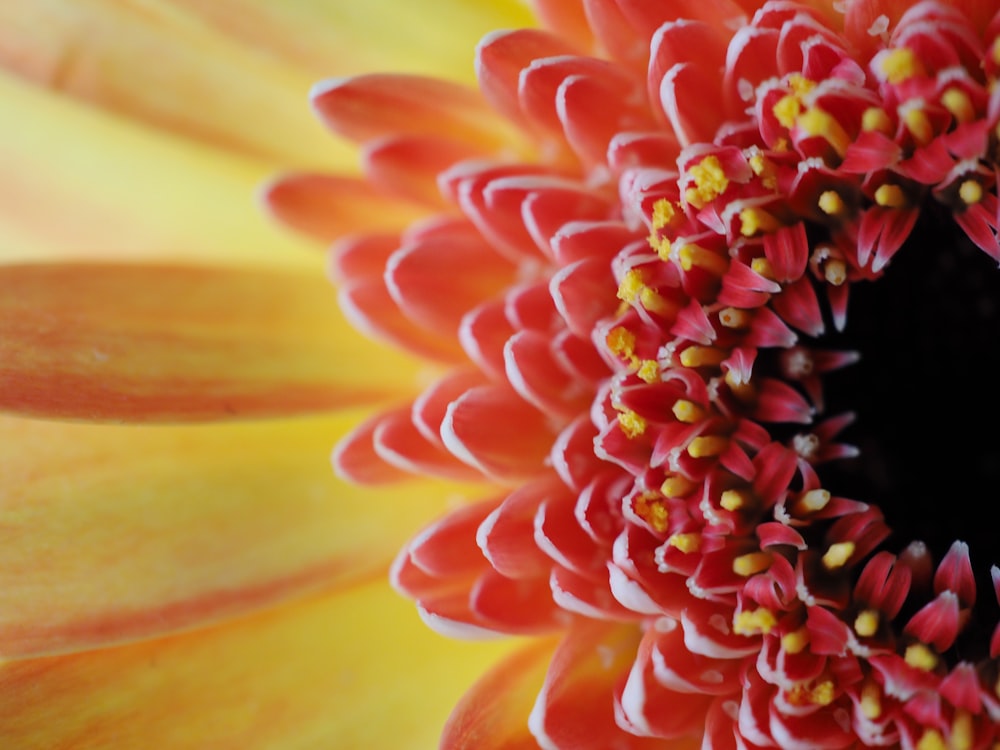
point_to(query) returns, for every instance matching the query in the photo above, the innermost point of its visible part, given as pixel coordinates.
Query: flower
(630, 279)
(179, 568)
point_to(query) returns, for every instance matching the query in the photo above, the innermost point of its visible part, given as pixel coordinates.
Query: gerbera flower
(640, 276)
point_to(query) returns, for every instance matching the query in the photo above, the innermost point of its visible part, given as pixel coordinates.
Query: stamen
(812, 501)
(831, 203)
(649, 371)
(837, 555)
(631, 423)
(876, 118)
(890, 196)
(962, 734)
(786, 110)
(920, 657)
(795, 641)
(817, 122)
(931, 740)
(649, 507)
(687, 411)
(691, 255)
(733, 500)
(732, 317)
(677, 486)
(764, 168)
(914, 116)
(686, 543)
(959, 104)
(971, 192)
(763, 267)
(835, 271)
(702, 356)
(866, 623)
(752, 563)
(705, 446)
(621, 342)
(663, 213)
(871, 700)
(630, 286)
(754, 220)
(710, 181)
(755, 622)
(899, 64)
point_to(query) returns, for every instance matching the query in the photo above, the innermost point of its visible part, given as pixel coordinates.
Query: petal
(144, 343)
(352, 668)
(144, 530)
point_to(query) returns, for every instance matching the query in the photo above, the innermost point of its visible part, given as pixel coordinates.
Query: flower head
(632, 244)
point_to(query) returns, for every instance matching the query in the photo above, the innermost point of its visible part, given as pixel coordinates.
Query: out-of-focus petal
(144, 343)
(350, 669)
(80, 183)
(111, 533)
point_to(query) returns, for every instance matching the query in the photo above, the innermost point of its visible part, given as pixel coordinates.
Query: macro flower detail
(624, 257)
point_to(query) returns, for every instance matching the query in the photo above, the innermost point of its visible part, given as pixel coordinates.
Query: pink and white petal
(351, 658)
(145, 530)
(154, 343)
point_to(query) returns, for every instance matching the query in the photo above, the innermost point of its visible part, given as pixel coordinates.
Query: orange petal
(350, 669)
(112, 533)
(493, 715)
(145, 343)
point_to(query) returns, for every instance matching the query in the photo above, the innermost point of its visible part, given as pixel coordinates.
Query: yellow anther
(691, 255)
(686, 543)
(754, 622)
(812, 501)
(677, 486)
(621, 342)
(764, 168)
(815, 121)
(631, 285)
(733, 500)
(755, 220)
(751, 563)
(837, 555)
(799, 84)
(631, 423)
(821, 694)
(835, 271)
(649, 371)
(876, 118)
(733, 317)
(710, 181)
(786, 109)
(890, 196)
(931, 740)
(899, 64)
(831, 203)
(871, 700)
(687, 411)
(702, 356)
(762, 266)
(661, 245)
(649, 507)
(795, 641)
(917, 122)
(959, 104)
(971, 192)
(653, 301)
(663, 213)
(866, 623)
(919, 656)
(962, 731)
(704, 446)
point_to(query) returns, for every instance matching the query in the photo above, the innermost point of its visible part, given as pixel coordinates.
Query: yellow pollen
(959, 104)
(876, 118)
(831, 203)
(837, 555)
(821, 694)
(631, 423)
(663, 213)
(919, 124)
(762, 266)
(815, 121)
(752, 623)
(686, 543)
(920, 657)
(649, 371)
(900, 64)
(621, 342)
(691, 255)
(733, 500)
(931, 740)
(763, 167)
(653, 301)
(649, 507)
(687, 411)
(812, 501)
(799, 84)
(962, 734)
(630, 286)
(707, 445)
(661, 245)
(866, 623)
(971, 192)
(732, 317)
(702, 356)
(795, 641)
(710, 181)
(752, 563)
(677, 486)
(754, 220)
(786, 109)
(871, 700)
(890, 196)
(835, 271)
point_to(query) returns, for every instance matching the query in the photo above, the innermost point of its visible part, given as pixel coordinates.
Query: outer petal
(109, 533)
(151, 343)
(350, 669)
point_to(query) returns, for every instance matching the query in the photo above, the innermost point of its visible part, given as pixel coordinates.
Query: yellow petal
(78, 183)
(354, 669)
(162, 343)
(111, 533)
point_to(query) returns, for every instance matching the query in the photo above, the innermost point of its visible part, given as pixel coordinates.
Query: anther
(702, 356)
(890, 196)
(919, 656)
(691, 255)
(815, 121)
(915, 118)
(649, 507)
(871, 700)
(837, 555)
(677, 486)
(971, 192)
(866, 623)
(687, 411)
(959, 104)
(795, 641)
(835, 271)
(733, 317)
(733, 500)
(621, 342)
(710, 181)
(649, 371)
(686, 543)
(754, 622)
(831, 203)
(786, 109)
(899, 64)
(631, 424)
(751, 564)
(755, 220)
(705, 446)
(931, 739)
(877, 119)
(763, 267)
(812, 501)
